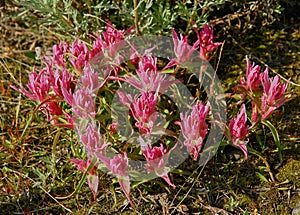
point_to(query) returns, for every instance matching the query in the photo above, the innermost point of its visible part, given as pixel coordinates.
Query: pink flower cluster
(56, 83)
(63, 98)
(46, 87)
(252, 81)
(118, 166)
(142, 109)
(183, 51)
(148, 77)
(205, 38)
(157, 158)
(194, 127)
(142, 106)
(239, 130)
(267, 94)
(149, 81)
(92, 174)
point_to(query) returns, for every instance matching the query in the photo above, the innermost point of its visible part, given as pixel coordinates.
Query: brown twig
(192, 17)
(136, 18)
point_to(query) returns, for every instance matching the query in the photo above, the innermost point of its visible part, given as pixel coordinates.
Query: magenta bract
(194, 127)
(239, 130)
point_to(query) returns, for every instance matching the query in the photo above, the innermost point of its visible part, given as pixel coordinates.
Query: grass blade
(275, 136)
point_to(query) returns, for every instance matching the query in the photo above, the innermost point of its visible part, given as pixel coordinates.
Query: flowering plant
(71, 91)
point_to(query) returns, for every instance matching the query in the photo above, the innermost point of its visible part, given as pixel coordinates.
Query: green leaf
(283, 188)
(275, 136)
(30, 55)
(168, 71)
(261, 177)
(42, 176)
(181, 172)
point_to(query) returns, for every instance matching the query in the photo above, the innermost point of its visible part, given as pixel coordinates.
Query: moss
(290, 171)
(295, 201)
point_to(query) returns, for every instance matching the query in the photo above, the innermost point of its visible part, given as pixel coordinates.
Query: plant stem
(252, 151)
(136, 18)
(192, 17)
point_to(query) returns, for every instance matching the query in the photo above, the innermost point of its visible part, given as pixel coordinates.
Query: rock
(296, 211)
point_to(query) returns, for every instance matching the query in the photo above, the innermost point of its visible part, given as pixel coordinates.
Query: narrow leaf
(262, 177)
(275, 136)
